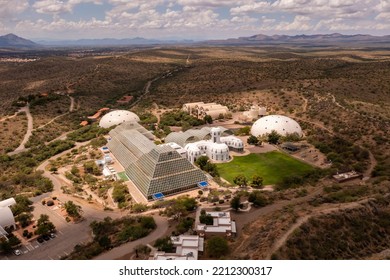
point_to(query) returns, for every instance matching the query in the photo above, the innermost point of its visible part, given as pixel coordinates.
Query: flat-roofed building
(188, 247)
(222, 225)
(344, 177)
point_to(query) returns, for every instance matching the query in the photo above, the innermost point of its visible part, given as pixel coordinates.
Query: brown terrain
(340, 97)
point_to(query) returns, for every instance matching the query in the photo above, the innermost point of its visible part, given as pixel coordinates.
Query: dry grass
(12, 132)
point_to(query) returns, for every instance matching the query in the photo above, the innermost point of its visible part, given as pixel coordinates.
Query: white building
(254, 112)
(201, 109)
(187, 248)
(222, 225)
(281, 124)
(7, 219)
(207, 142)
(177, 147)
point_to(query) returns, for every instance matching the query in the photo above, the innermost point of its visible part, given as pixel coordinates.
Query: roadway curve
(29, 131)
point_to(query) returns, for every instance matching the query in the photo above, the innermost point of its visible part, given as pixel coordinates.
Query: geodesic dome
(117, 117)
(281, 124)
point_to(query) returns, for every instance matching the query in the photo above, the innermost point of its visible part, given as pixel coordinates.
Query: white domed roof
(281, 124)
(219, 147)
(117, 117)
(6, 217)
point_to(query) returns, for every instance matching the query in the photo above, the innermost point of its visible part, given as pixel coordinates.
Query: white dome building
(117, 117)
(216, 149)
(6, 217)
(281, 124)
(207, 141)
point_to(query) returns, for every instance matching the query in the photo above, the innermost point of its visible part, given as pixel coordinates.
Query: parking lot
(35, 245)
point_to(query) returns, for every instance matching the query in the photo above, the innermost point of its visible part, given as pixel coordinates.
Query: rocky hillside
(355, 233)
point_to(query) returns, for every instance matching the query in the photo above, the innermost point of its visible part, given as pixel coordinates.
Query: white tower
(216, 135)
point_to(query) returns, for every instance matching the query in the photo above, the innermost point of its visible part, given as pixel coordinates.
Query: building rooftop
(187, 248)
(222, 223)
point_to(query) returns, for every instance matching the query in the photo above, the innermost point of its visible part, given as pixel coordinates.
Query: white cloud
(58, 6)
(255, 7)
(9, 9)
(209, 3)
(300, 23)
(212, 18)
(243, 19)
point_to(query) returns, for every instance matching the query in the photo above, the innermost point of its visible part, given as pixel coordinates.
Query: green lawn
(123, 176)
(272, 166)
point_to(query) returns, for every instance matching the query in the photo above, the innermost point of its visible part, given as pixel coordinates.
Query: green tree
(240, 180)
(147, 222)
(212, 169)
(53, 169)
(258, 199)
(274, 137)
(139, 207)
(185, 126)
(208, 119)
(75, 171)
(24, 219)
(23, 204)
(91, 168)
(72, 209)
(5, 247)
(206, 219)
(202, 161)
(164, 244)
(44, 226)
(120, 192)
(257, 181)
(181, 206)
(105, 242)
(217, 247)
(184, 225)
(252, 140)
(235, 203)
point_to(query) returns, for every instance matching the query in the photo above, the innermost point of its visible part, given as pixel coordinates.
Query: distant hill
(113, 42)
(13, 41)
(335, 39)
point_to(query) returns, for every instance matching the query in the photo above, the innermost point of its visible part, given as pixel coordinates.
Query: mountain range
(335, 39)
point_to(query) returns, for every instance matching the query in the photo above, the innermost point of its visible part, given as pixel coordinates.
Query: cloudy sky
(190, 19)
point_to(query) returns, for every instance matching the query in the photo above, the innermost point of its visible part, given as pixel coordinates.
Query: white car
(17, 252)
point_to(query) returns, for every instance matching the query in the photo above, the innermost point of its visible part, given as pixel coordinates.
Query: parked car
(17, 252)
(52, 235)
(40, 239)
(46, 237)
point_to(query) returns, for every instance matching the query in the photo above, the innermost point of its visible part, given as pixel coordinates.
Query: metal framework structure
(153, 169)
